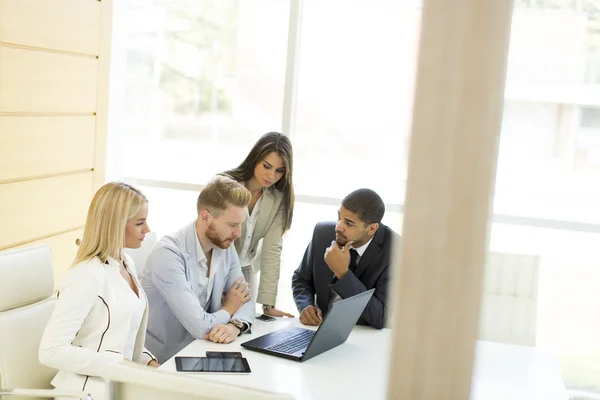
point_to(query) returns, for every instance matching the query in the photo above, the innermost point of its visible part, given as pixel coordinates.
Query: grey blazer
(269, 227)
(171, 283)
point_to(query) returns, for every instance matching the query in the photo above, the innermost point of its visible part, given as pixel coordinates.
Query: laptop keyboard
(294, 343)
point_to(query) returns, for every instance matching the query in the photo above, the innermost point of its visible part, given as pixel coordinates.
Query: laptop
(301, 344)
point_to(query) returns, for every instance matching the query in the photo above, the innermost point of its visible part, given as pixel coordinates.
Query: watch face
(238, 324)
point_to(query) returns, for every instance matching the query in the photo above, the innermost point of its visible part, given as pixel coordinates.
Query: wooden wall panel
(43, 207)
(63, 251)
(42, 146)
(68, 25)
(37, 81)
(103, 95)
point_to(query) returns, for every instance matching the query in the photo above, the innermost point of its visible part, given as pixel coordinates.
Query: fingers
(236, 285)
(241, 287)
(319, 315)
(208, 336)
(310, 316)
(304, 319)
(312, 311)
(274, 312)
(347, 245)
(220, 334)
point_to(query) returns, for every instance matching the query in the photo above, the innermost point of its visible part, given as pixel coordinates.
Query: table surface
(361, 364)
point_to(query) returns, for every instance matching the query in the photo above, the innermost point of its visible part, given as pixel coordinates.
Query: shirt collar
(360, 250)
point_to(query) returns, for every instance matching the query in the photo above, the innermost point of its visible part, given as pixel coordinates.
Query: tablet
(222, 365)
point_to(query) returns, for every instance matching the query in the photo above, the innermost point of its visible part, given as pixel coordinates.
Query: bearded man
(193, 278)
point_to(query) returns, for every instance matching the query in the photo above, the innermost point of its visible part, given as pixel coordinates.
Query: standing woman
(101, 313)
(267, 173)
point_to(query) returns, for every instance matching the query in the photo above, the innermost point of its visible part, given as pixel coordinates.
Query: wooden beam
(456, 125)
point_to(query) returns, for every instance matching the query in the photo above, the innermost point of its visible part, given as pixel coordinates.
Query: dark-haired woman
(267, 173)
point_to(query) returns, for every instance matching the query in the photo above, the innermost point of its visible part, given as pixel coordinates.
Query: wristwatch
(266, 308)
(241, 325)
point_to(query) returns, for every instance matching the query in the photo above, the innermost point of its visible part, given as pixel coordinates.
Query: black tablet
(219, 365)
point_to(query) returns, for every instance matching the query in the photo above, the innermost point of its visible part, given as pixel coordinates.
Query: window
(202, 79)
(354, 97)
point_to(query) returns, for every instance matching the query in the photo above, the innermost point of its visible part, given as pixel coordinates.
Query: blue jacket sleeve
(247, 311)
(168, 276)
(375, 312)
(303, 285)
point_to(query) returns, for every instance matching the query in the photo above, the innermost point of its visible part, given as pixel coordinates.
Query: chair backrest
(139, 256)
(134, 382)
(26, 303)
(509, 302)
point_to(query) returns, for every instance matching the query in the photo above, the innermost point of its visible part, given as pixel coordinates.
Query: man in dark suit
(347, 258)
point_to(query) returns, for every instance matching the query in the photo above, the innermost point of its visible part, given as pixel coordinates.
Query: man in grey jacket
(193, 279)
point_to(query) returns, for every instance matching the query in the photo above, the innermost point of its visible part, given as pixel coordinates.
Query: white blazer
(89, 327)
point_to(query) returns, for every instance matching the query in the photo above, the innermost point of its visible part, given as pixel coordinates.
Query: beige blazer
(269, 227)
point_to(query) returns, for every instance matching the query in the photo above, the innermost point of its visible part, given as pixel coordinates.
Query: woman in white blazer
(267, 173)
(101, 313)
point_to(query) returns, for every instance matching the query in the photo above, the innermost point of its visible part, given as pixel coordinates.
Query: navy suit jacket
(313, 278)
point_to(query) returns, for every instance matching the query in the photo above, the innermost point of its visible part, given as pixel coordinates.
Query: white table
(358, 369)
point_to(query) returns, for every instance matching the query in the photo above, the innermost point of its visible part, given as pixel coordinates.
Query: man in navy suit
(347, 258)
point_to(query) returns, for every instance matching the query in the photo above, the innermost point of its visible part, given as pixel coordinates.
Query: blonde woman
(101, 314)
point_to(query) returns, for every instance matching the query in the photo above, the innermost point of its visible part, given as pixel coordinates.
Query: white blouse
(137, 306)
(250, 225)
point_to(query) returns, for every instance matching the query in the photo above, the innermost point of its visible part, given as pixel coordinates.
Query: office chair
(509, 302)
(26, 303)
(139, 256)
(135, 382)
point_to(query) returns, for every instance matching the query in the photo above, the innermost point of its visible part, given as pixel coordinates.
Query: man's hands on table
(223, 334)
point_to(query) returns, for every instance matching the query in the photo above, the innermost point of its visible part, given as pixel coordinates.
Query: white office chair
(134, 382)
(26, 303)
(509, 302)
(139, 256)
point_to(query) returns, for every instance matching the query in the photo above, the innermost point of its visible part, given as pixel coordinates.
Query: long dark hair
(268, 143)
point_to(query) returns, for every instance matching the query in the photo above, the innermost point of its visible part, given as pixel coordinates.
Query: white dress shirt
(205, 283)
(361, 250)
(251, 219)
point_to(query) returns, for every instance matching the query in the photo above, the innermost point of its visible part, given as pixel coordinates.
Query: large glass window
(547, 165)
(203, 79)
(355, 89)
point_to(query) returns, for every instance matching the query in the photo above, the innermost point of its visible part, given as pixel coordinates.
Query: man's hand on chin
(223, 334)
(338, 258)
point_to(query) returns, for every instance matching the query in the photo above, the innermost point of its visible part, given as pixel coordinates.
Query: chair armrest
(45, 393)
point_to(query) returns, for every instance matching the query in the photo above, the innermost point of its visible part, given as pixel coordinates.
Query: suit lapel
(191, 257)
(371, 253)
(266, 207)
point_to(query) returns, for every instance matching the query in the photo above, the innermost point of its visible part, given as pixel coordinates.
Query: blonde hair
(220, 193)
(104, 236)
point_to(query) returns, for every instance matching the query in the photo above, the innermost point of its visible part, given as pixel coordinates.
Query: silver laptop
(301, 344)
